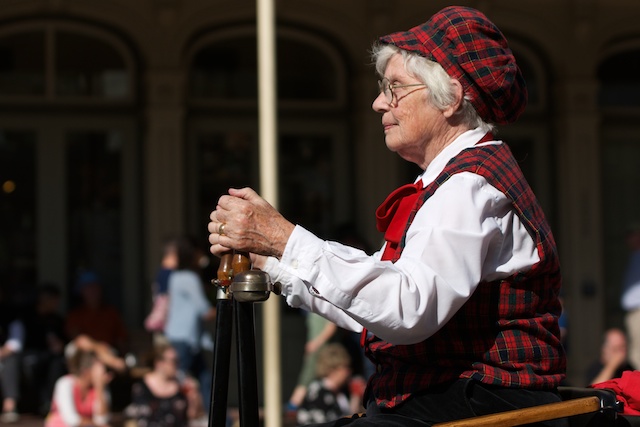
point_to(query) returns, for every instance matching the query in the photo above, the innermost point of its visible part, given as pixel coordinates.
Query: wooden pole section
(268, 107)
(530, 415)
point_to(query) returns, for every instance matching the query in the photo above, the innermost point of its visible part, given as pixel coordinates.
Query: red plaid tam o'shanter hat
(474, 51)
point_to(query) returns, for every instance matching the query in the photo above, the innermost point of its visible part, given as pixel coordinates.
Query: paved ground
(28, 421)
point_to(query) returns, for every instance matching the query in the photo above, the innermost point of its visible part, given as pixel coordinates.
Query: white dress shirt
(465, 233)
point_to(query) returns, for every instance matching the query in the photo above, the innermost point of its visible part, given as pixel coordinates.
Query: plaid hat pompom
(473, 50)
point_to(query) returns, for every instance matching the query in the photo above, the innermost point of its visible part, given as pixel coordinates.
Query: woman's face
(410, 123)
(169, 362)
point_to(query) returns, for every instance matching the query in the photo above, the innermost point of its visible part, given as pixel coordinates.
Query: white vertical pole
(267, 100)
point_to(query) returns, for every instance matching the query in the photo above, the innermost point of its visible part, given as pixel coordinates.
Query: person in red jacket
(95, 317)
(459, 309)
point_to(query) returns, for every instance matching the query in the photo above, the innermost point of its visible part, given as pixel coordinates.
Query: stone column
(164, 147)
(580, 218)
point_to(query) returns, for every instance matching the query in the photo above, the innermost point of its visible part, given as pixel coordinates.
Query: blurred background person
(12, 333)
(157, 318)
(189, 309)
(81, 398)
(162, 398)
(95, 317)
(43, 356)
(319, 332)
(107, 354)
(613, 359)
(327, 397)
(630, 300)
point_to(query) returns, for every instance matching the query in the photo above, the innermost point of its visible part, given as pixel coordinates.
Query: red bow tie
(392, 215)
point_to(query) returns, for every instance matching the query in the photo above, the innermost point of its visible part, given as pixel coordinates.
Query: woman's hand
(246, 222)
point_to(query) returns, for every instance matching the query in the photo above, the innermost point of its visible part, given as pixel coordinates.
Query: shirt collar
(437, 165)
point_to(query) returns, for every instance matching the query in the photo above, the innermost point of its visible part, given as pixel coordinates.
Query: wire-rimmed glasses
(387, 88)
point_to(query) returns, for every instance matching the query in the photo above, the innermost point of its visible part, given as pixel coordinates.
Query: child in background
(327, 397)
(319, 332)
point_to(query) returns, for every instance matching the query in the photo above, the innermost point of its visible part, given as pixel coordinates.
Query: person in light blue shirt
(189, 308)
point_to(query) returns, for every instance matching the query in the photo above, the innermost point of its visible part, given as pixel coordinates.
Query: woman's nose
(380, 104)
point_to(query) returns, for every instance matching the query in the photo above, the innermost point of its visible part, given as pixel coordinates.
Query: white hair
(441, 93)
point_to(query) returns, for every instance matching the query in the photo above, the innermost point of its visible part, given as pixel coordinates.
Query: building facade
(122, 122)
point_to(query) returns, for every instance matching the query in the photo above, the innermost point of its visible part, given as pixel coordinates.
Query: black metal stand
(221, 362)
(247, 369)
(248, 287)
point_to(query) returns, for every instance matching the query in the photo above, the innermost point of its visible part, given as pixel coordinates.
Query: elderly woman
(459, 309)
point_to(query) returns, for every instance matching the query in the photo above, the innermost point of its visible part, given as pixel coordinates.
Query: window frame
(49, 28)
(283, 32)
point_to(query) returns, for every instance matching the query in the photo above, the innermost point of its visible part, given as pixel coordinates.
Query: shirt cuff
(300, 255)
(297, 268)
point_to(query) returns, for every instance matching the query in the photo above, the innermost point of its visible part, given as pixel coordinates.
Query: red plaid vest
(507, 333)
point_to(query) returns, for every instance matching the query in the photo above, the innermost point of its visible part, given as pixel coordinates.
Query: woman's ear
(457, 102)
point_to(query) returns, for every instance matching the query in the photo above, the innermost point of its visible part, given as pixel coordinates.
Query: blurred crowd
(78, 368)
(83, 367)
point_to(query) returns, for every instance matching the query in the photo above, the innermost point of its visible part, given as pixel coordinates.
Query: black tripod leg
(221, 363)
(247, 371)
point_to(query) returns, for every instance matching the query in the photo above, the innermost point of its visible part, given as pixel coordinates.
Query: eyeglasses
(387, 88)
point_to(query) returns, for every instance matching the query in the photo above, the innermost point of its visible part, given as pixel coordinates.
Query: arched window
(223, 68)
(69, 163)
(313, 154)
(619, 78)
(227, 70)
(22, 63)
(64, 62)
(87, 66)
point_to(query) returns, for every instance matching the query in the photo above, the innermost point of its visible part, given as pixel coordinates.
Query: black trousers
(457, 400)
